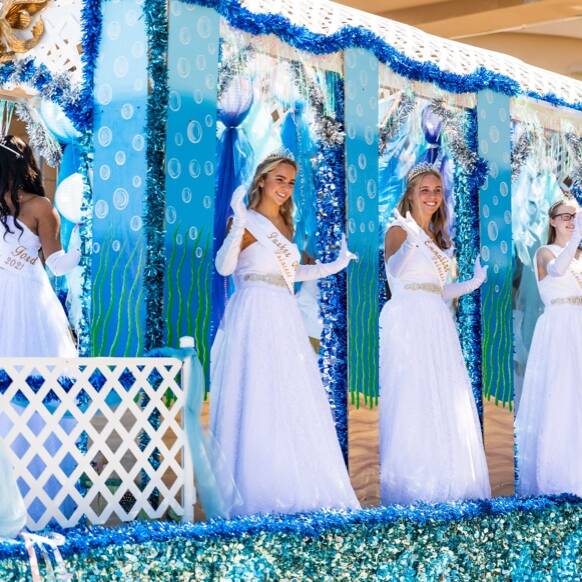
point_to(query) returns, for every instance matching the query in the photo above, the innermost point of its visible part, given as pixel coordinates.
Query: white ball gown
(269, 413)
(12, 511)
(431, 447)
(549, 418)
(33, 320)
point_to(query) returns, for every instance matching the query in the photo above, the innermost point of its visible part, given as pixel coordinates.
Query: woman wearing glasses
(549, 419)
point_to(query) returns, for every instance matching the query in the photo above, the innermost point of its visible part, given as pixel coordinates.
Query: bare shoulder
(38, 205)
(543, 256)
(395, 232)
(394, 239)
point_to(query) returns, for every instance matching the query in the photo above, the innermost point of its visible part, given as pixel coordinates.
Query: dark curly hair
(18, 172)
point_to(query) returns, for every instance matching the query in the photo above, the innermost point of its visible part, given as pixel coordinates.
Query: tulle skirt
(431, 447)
(34, 323)
(270, 415)
(12, 511)
(549, 417)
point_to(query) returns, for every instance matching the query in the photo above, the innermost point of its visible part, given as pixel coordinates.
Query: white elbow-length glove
(415, 237)
(227, 255)
(454, 290)
(61, 263)
(321, 270)
(557, 267)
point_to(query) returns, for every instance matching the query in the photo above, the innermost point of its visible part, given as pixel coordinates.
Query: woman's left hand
(480, 271)
(345, 253)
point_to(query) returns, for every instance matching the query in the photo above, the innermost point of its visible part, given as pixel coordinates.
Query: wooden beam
(504, 20)
(379, 6)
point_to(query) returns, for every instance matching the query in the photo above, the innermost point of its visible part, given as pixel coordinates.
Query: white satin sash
(269, 236)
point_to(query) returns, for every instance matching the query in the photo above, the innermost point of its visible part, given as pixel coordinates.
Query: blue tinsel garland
(81, 540)
(82, 117)
(467, 247)
(156, 19)
(330, 205)
(349, 36)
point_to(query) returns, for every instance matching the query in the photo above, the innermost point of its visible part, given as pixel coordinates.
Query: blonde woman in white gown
(431, 447)
(270, 414)
(549, 418)
(33, 320)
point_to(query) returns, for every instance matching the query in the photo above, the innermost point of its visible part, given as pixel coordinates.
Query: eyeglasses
(565, 216)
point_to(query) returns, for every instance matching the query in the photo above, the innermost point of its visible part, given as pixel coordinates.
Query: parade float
(150, 113)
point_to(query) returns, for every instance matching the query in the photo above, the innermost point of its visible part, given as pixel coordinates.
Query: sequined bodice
(19, 251)
(555, 289)
(256, 259)
(428, 265)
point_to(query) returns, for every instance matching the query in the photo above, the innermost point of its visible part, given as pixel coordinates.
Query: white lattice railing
(98, 438)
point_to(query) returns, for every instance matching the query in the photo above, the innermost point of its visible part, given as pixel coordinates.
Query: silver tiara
(16, 153)
(422, 168)
(281, 153)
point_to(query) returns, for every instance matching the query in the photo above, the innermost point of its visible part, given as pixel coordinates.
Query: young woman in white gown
(12, 511)
(33, 320)
(270, 414)
(549, 418)
(431, 447)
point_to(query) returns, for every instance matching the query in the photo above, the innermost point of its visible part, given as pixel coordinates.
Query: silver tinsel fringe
(39, 136)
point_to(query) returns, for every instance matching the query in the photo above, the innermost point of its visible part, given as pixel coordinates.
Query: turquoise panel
(361, 119)
(190, 172)
(496, 247)
(119, 182)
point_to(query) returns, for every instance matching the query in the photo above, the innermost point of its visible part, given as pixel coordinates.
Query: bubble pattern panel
(361, 118)
(190, 172)
(121, 86)
(496, 247)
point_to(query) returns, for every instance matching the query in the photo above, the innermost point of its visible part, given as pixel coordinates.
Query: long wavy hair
(18, 172)
(267, 165)
(438, 221)
(552, 211)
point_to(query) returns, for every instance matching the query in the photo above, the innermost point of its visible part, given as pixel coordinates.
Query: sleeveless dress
(269, 414)
(34, 323)
(549, 418)
(431, 448)
(12, 510)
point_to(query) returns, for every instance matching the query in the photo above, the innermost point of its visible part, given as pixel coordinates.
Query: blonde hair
(552, 214)
(438, 221)
(255, 194)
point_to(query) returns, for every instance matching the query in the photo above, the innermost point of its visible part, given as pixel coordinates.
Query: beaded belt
(276, 280)
(429, 287)
(576, 300)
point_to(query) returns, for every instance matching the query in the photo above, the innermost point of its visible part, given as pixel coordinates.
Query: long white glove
(415, 236)
(454, 290)
(321, 270)
(557, 267)
(61, 263)
(227, 255)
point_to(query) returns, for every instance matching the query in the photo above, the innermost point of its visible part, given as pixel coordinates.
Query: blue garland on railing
(82, 117)
(82, 540)
(467, 247)
(330, 208)
(156, 19)
(349, 36)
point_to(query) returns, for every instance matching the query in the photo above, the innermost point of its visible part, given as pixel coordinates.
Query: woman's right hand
(237, 203)
(415, 234)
